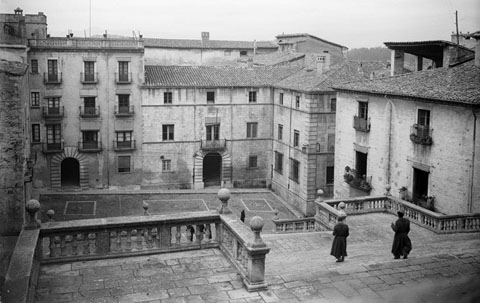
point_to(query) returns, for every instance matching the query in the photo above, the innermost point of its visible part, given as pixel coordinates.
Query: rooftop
(459, 85)
(299, 37)
(211, 44)
(208, 76)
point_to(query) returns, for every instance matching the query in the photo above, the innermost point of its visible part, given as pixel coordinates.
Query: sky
(352, 23)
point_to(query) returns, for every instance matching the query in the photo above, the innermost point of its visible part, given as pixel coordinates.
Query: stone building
(304, 129)
(416, 132)
(208, 52)
(207, 126)
(86, 117)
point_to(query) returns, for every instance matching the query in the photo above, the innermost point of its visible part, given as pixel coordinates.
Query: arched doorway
(212, 169)
(70, 172)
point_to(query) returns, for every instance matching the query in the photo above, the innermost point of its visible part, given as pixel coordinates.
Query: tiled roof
(460, 84)
(424, 43)
(274, 58)
(302, 37)
(308, 80)
(185, 43)
(209, 76)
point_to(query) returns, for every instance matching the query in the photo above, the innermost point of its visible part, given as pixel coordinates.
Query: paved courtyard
(441, 268)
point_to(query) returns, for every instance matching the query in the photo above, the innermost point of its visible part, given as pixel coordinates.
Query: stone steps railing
(328, 211)
(294, 225)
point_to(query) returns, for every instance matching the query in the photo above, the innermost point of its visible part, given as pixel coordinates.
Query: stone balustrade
(328, 212)
(294, 225)
(59, 42)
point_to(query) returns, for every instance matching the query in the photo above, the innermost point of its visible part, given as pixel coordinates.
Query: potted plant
(403, 192)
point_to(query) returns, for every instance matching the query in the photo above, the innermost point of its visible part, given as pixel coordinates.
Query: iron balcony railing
(361, 124)
(89, 78)
(421, 134)
(52, 147)
(88, 111)
(123, 111)
(52, 112)
(52, 78)
(213, 144)
(90, 146)
(123, 145)
(123, 78)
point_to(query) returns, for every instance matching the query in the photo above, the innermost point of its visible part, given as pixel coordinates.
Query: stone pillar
(397, 60)
(32, 207)
(257, 251)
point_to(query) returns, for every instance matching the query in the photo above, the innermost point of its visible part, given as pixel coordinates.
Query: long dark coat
(339, 245)
(401, 242)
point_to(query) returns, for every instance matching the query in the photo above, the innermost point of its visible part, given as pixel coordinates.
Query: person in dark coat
(401, 242)
(339, 245)
(242, 215)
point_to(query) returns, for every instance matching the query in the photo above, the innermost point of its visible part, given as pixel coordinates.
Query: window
(252, 97)
(294, 170)
(423, 117)
(297, 101)
(167, 131)
(243, 53)
(90, 139)
(252, 161)
(89, 105)
(333, 104)
(279, 162)
(123, 163)
(166, 165)
(89, 70)
(124, 139)
(252, 129)
(34, 99)
(281, 98)
(296, 137)
(210, 97)
(331, 142)
(53, 105)
(330, 171)
(361, 164)
(167, 98)
(35, 133)
(213, 132)
(280, 132)
(34, 66)
(52, 70)
(124, 104)
(54, 137)
(363, 110)
(123, 74)
(227, 53)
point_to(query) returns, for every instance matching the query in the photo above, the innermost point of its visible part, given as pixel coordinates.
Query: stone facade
(451, 161)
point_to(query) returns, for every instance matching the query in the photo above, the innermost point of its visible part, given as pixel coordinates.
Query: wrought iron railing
(124, 111)
(90, 146)
(52, 78)
(89, 111)
(124, 145)
(52, 112)
(89, 78)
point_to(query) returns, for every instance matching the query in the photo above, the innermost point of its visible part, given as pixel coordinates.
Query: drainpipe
(470, 201)
(389, 119)
(290, 138)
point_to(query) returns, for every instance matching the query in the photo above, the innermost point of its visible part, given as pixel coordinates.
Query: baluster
(63, 246)
(155, 237)
(118, 240)
(52, 247)
(244, 257)
(208, 233)
(148, 238)
(86, 244)
(128, 240)
(199, 233)
(178, 234)
(139, 239)
(74, 245)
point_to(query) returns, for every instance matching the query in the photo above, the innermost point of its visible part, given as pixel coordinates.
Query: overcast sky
(352, 23)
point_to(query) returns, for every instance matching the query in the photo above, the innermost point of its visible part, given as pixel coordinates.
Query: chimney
(249, 62)
(18, 11)
(205, 38)
(476, 36)
(323, 62)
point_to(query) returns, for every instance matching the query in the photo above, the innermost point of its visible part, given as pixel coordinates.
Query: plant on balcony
(350, 177)
(349, 174)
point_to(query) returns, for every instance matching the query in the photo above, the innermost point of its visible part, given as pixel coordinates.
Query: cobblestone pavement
(441, 268)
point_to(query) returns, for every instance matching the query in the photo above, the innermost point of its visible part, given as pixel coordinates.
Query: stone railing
(299, 225)
(88, 43)
(329, 210)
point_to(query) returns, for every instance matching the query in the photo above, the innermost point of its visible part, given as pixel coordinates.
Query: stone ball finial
(32, 207)
(256, 223)
(50, 215)
(320, 192)
(341, 205)
(223, 194)
(388, 187)
(145, 208)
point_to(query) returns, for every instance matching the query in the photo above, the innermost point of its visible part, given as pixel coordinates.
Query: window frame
(89, 71)
(281, 99)
(35, 135)
(296, 138)
(363, 110)
(167, 98)
(212, 132)
(333, 105)
(35, 101)
(329, 175)
(278, 162)
(53, 133)
(294, 170)
(297, 101)
(210, 97)
(280, 132)
(252, 96)
(166, 166)
(252, 130)
(168, 132)
(125, 167)
(423, 117)
(34, 66)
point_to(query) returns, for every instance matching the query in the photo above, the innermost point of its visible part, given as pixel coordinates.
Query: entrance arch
(70, 172)
(56, 167)
(212, 169)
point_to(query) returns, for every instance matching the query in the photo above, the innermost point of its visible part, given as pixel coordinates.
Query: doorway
(420, 185)
(212, 169)
(70, 173)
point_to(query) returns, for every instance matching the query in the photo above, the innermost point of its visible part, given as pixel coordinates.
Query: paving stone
(117, 291)
(389, 279)
(345, 288)
(380, 286)
(218, 278)
(269, 296)
(222, 286)
(241, 294)
(305, 292)
(330, 293)
(93, 285)
(191, 282)
(295, 284)
(215, 296)
(178, 292)
(200, 289)
(94, 293)
(145, 296)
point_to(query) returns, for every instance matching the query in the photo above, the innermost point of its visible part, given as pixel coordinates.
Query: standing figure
(191, 232)
(401, 242)
(242, 215)
(339, 245)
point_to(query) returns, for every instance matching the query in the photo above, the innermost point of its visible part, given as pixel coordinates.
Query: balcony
(124, 78)
(89, 146)
(89, 112)
(213, 144)
(361, 124)
(52, 112)
(52, 78)
(421, 134)
(353, 179)
(124, 145)
(52, 147)
(89, 78)
(124, 111)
